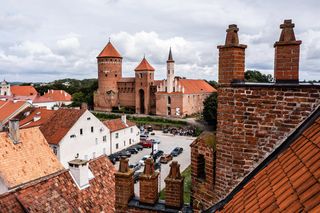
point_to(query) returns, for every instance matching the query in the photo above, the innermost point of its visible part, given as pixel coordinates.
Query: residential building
(74, 133)
(24, 156)
(174, 96)
(35, 117)
(9, 109)
(123, 133)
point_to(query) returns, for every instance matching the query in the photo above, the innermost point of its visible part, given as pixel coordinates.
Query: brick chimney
(14, 130)
(124, 185)
(174, 187)
(124, 118)
(287, 51)
(231, 58)
(80, 172)
(149, 183)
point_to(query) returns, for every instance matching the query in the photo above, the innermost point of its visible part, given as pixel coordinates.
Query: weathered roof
(9, 109)
(144, 66)
(30, 159)
(59, 193)
(59, 124)
(117, 124)
(109, 51)
(287, 180)
(37, 117)
(57, 95)
(194, 86)
(23, 90)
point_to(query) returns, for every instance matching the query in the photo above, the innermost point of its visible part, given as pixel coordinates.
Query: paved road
(168, 143)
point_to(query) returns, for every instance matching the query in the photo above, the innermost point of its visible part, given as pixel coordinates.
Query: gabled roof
(59, 193)
(193, 86)
(37, 117)
(117, 124)
(59, 124)
(30, 159)
(109, 51)
(23, 91)
(57, 95)
(9, 109)
(144, 66)
(288, 180)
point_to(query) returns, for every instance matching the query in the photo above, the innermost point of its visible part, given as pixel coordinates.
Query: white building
(124, 133)
(76, 133)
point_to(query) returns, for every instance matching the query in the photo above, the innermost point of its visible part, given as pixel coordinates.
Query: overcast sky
(43, 40)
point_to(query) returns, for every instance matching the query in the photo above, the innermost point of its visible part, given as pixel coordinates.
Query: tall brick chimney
(149, 183)
(231, 58)
(174, 187)
(124, 185)
(14, 130)
(287, 51)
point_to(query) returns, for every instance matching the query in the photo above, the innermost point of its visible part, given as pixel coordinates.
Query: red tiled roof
(42, 99)
(37, 117)
(23, 90)
(144, 66)
(109, 51)
(289, 183)
(9, 109)
(193, 86)
(59, 193)
(57, 95)
(59, 124)
(117, 124)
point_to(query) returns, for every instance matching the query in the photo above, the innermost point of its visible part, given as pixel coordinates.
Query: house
(124, 133)
(174, 96)
(18, 93)
(74, 133)
(9, 109)
(24, 156)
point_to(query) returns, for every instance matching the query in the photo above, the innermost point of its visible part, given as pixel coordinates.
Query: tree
(256, 76)
(210, 105)
(213, 83)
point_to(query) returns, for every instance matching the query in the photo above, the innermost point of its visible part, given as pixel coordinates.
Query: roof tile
(109, 51)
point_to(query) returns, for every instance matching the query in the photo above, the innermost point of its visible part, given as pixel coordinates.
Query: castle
(174, 96)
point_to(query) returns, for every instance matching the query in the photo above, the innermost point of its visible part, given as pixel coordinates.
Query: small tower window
(201, 170)
(169, 100)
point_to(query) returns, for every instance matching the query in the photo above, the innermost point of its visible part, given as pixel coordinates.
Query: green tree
(210, 105)
(256, 76)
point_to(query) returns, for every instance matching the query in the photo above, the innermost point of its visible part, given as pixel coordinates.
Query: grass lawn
(187, 185)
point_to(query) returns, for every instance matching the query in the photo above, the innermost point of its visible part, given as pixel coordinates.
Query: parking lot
(167, 144)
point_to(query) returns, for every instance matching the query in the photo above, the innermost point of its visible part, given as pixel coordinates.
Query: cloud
(68, 45)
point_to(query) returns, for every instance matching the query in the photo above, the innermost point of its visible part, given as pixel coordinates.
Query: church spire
(170, 59)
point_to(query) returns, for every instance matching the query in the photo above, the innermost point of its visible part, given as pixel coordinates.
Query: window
(201, 167)
(169, 100)
(124, 143)
(130, 141)
(72, 136)
(117, 135)
(141, 75)
(104, 138)
(88, 118)
(81, 131)
(55, 150)
(131, 130)
(96, 141)
(92, 129)
(117, 146)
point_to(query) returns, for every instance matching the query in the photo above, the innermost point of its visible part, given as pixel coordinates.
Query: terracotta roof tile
(57, 95)
(59, 124)
(32, 158)
(109, 51)
(37, 117)
(59, 193)
(192, 86)
(9, 109)
(23, 90)
(117, 124)
(144, 66)
(290, 182)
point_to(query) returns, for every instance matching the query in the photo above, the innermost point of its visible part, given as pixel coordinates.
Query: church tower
(109, 73)
(5, 88)
(170, 73)
(144, 80)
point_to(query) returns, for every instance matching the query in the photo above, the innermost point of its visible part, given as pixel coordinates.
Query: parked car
(136, 176)
(125, 153)
(177, 151)
(135, 166)
(114, 157)
(138, 147)
(132, 150)
(152, 133)
(143, 137)
(143, 159)
(165, 158)
(146, 144)
(149, 128)
(165, 130)
(158, 154)
(155, 140)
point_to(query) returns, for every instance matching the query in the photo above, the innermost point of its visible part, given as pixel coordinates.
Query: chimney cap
(77, 162)
(232, 39)
(287, 36)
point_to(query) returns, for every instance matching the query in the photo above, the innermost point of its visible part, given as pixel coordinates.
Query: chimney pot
(80, 172)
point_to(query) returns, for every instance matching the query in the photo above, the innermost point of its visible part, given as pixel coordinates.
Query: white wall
(88, 145)
(48, 105)
(3, 187)
(124, 137)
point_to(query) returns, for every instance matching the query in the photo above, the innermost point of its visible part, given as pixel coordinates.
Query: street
(167, 144)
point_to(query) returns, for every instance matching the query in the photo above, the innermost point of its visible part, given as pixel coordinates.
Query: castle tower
(109, 73)
(170, 73)
(144, 79)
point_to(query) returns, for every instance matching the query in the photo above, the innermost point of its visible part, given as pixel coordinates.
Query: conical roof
(170, 58)
(144, 66)
(109, 51)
